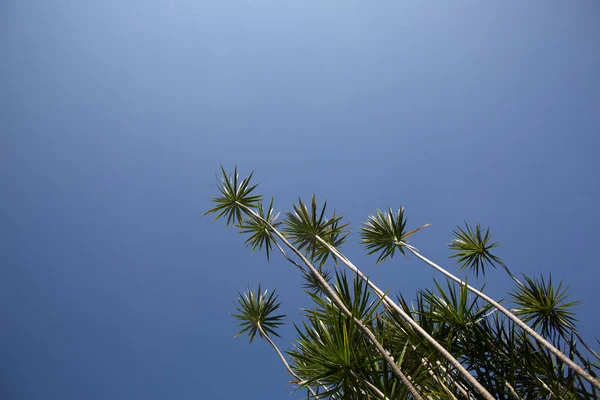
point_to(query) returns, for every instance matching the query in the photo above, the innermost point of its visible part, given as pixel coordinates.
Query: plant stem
(580, 371)
(283, 360)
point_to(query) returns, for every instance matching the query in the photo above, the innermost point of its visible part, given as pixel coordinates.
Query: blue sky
(115, 116)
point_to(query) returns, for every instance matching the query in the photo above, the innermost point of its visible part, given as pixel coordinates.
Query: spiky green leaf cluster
(255, 309)
(545, 306)
(234, 197)
(473, 247)
(330, 350)
(452, 308)
(261, 235)
(385, 233)
(305, 227)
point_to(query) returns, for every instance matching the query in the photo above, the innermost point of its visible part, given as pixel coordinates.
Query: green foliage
(545, 305)
(452, 310)
(304, 228)
(255, 309)
(330, 349)
(334, 359)
(234, 197)
(473, 248)
(259, 228)
(384, 233)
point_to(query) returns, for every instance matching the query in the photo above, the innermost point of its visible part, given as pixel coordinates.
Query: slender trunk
(580, 371)
(283, 360)
(470, 378)
(334, 297)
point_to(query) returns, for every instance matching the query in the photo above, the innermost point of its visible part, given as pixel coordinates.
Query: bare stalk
(283, 360)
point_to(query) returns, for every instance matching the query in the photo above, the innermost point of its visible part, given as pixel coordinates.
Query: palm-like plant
(370, 231)
(331, 348)
(473, 250)
(255, 311)
(352, 347)
(386, 233)
(235, 200)
(545, 306)
(306, 232)
(259, 228)
(452, 311)
(303, 227)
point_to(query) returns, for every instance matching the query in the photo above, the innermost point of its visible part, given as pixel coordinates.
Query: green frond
(234, 195)
(545, 305)
(355, 296)
(332, 349)
(473, 247)
(453, 310)
(303, 227)
(386, 232)
(255, 308)
(261, 235)
(329, 350)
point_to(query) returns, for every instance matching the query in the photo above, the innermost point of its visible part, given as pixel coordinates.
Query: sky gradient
(115, 116)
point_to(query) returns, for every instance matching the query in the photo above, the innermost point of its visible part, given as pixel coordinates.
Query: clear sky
(115, 115)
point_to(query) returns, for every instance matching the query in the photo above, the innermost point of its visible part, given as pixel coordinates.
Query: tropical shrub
(449, 342)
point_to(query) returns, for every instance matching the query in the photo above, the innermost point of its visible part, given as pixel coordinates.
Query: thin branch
(283, 360)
